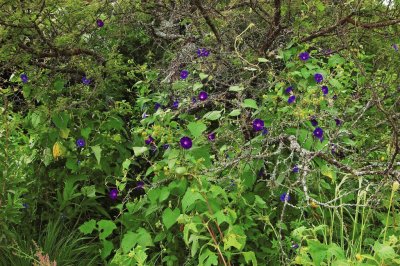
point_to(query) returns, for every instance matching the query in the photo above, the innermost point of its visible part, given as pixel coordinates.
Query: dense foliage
(199, 132)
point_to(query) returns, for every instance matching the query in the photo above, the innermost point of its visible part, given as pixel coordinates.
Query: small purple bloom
(318, 78)
(261, 172)
(157, 106)
(203, 52)
(100, 23)
(144, 115)
(175, 105)
(395, 47)
(80, 143)
(314, 122)
(149, 140)
(211, 136)
(304, 56)
(24, 78)
(289, 90)
(324, 90)
(139, 185)
(264, 132)
(184, 74)
(334, 97)
(319, 133)
(295, 246)
(338, 122)
(291, 99)
(113, 194)
(258, 124)
(85, 80)
(194, 100)
(295, 169)
(186, 142)
(284, 197)
(203, 96)
(166, 146)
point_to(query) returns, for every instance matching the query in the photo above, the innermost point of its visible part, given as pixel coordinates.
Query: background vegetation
(96, 97)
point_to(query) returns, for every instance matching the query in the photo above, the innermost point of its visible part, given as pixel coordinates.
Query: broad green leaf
(144, 238)
(197, 128)
(235, 237)
(335, 83)
(384, 251)
(236, 88)
(318, 251)
(189, 198)
(164, 194)
(235, 112)
(139, 150)
(59, 85)
(107, 248)
(105, 228)
(169, 217)
(181, 170)
(60, 120)
(262, 60)
(197, 86)
(250, 256)
(97, 152)
(128, 241)
(203, 76)
(213, 115)
(85, 132)
(250, 103)
(88, 227)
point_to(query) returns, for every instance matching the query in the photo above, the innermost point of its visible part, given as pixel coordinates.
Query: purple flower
(184, 74)
(85, 80)
(314, 121)
(149, 140)
(289, 90)
(258, 124)
(203, 96)
(395, 47)
(319, 133)
(304, 56)
(295, 169)
(139, 185)
(295, 246)
(157, 106)
(260, 172)
(113, 194)
(264, 132)
(80, 143)
(318, 78)
(24, 78)
(203, 52)
(186, 142)
(291, 99)
(211, 136)
(166, 146)
(194, 100)
(144, 115)
(338, 122)
(334, 97)
(175, 105)
(284, 197)
(324, 90)
(100, 23)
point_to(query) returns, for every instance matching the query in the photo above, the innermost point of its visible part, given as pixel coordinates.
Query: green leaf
(235, 112)
(164, 194)
(214, 115)
(85, 132)
(105, 228)
(235, 237)
(335, 83)
(203, 76)
(139, 150)
(60, 120)
(169, 217)
(318, 251)
(181, 170)
(97, 152)
(384, 251)
(250, 256)
(89, 191)
(197, 86)
(128, 242)
(236, 88)
(88, 227)
(250, 103)
(197, 128)
(190, 198)
(59, 85)
(335, 60)
(262, 60)
(126, 164)
(107, 248)
(144, 238)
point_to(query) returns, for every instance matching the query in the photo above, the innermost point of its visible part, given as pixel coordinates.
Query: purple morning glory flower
(184, 74)
(175, 105)
(314, 121)
(289, 90)
(319, 133)
(304, 56)
(324, 90)
(149, 140)
(338, 122)
(295, 246)
(318, 78)
(80, 143)
(203, 96)
(291, 99)
(113, 194)
(203, 52)
(24, 78)
(157, 106)
(186, 142)
(334, 97)
(264, 132)
(166, 146)
(99, 23)
(295, 169)
(85, 80)
(395, 47)
(284, 197)
(144, 115)
(258, 124)
(211, 136)
(194, 100)
(261, 172)
(139, 185)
